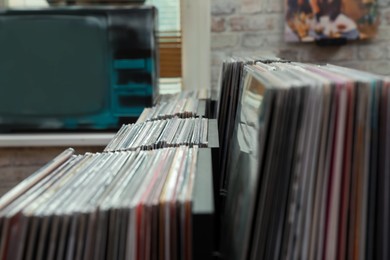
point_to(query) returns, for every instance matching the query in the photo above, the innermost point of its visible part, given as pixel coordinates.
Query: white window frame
(23, 3)
(196, 16)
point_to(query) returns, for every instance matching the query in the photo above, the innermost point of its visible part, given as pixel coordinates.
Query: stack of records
(161, 134)
(308, 175)
(122, 205)
(184, 108)
(185, 104)
(200, 94)
(231, 77)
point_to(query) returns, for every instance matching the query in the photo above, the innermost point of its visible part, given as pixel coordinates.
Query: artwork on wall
(313, 20)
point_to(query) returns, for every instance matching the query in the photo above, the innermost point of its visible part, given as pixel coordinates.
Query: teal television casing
(76, 68)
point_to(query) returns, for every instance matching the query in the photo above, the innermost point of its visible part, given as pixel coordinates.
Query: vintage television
(76, 68)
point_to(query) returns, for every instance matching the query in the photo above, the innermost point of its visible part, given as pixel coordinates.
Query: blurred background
(194, 38)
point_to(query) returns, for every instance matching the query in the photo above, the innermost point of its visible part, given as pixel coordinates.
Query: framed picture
(315, 20)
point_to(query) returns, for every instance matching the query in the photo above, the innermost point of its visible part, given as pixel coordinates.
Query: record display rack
(305, 155)
(203, 209)
(206, 202)
(21, 246)
(205, 199)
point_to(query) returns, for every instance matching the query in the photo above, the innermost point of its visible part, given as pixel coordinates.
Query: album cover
(315, 20)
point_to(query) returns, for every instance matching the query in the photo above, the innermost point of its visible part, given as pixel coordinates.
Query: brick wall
(18, 163)
(246, 26)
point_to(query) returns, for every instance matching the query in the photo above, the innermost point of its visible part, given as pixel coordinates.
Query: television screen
(57, 66)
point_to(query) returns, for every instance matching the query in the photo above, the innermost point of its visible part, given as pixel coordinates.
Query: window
(170, 43)
(23, 3)
(184, 37)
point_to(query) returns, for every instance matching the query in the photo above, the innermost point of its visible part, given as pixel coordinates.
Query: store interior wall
(244, 27)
